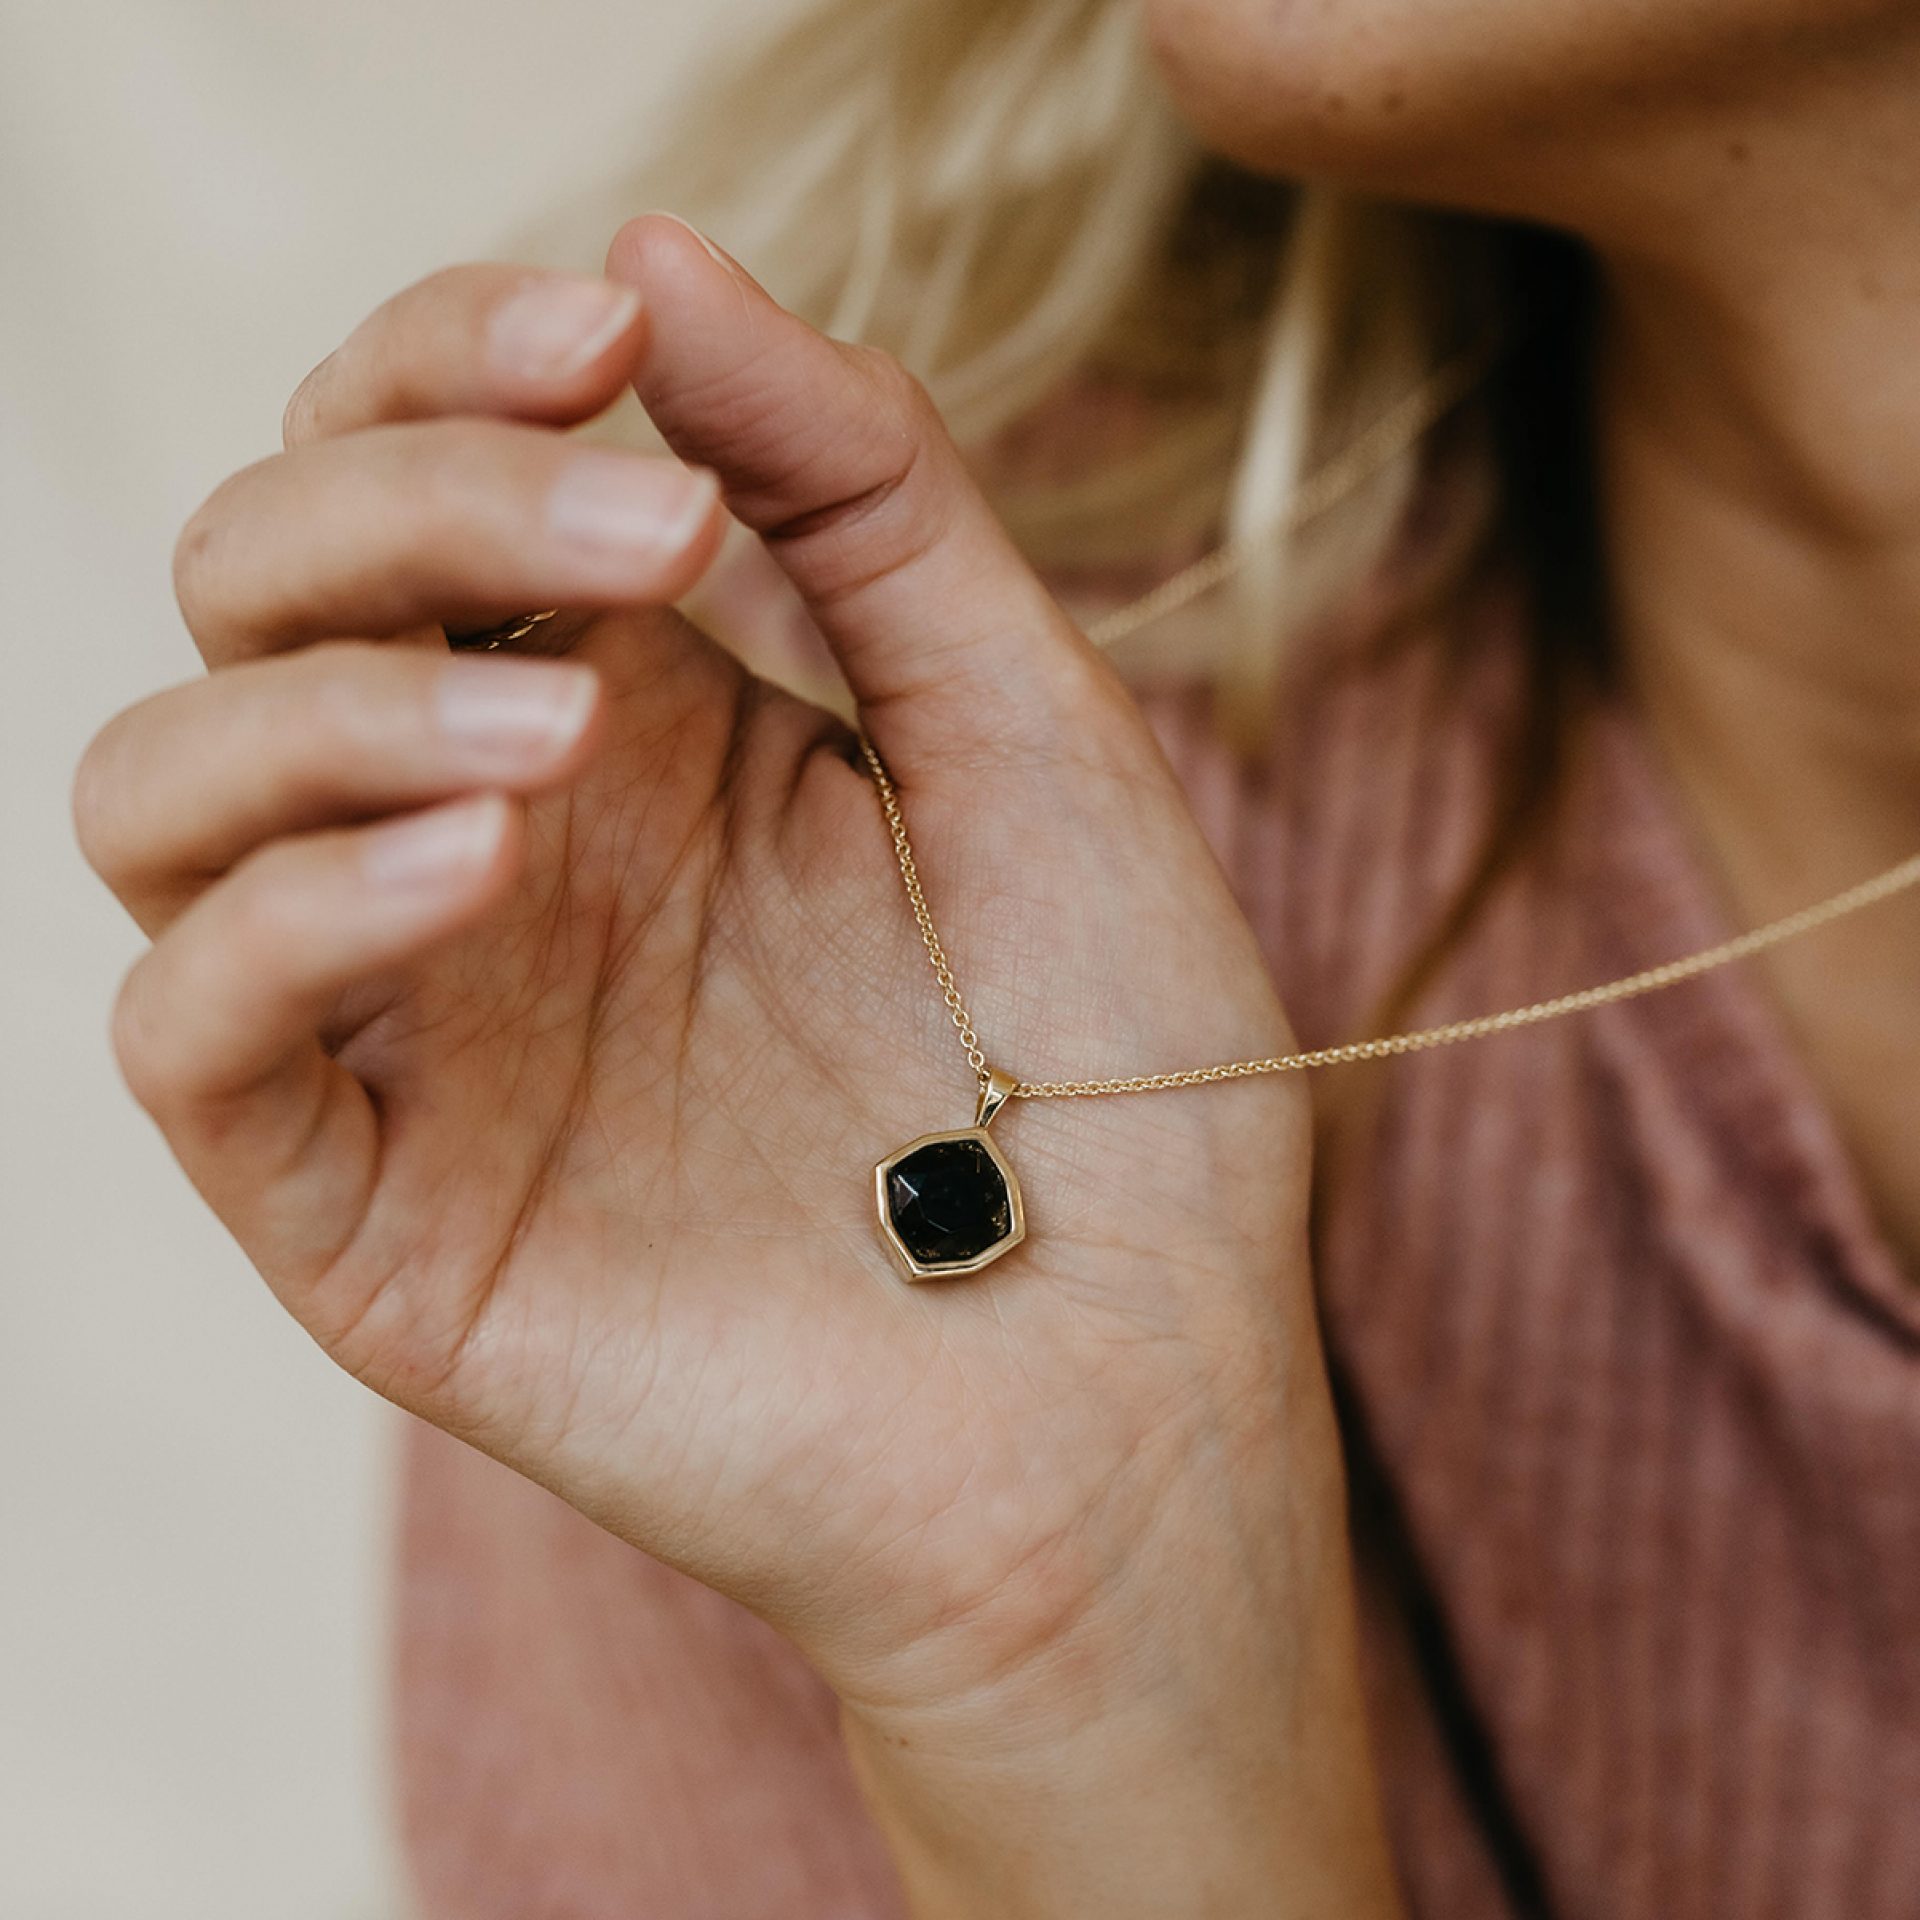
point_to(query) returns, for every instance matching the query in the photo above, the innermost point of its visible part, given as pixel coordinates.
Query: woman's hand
(536, 1025)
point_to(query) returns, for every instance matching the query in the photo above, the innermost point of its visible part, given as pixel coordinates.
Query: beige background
(197, 197)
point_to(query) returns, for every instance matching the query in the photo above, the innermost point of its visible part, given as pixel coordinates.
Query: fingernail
(512, 713)
(553, 327)
(726, 260)
(436, 848)
(616, 503)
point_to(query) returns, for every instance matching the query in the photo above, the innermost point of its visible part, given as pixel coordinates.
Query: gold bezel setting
(916, 1269)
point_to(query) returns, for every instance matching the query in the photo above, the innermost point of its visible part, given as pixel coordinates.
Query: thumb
(834, 455)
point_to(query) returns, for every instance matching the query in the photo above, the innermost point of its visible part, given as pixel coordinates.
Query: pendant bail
(994, 1091)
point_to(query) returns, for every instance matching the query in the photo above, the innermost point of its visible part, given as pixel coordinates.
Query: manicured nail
(618, 504)
(552, 328)
(513, 713)
(726, 260)
(437, 848)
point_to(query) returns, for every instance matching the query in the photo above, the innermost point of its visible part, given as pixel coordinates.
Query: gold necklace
(949, 1203)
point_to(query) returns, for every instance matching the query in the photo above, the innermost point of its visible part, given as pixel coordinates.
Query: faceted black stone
(948, 1201)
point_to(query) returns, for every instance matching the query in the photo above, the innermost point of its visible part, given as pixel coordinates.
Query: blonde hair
(999, 192)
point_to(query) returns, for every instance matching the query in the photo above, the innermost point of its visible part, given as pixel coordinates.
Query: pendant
(949, 1202)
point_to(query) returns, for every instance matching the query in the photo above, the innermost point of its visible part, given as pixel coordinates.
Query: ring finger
(176, 790)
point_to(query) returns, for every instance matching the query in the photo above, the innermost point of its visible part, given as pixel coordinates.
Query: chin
(1346, 90)
(1498, 105)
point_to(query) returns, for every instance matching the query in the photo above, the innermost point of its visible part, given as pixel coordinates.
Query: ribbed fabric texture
(1632, 1387)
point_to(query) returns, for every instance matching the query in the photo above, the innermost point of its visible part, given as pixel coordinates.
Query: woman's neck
(1760, 434)
(1759, 423)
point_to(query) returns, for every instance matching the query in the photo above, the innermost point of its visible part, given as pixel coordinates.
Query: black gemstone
(948, 1201)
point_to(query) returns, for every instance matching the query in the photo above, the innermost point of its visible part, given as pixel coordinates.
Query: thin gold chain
(1391, 435)
(922, 913)
(1882, 886)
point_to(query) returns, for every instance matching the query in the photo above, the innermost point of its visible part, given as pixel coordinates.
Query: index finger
(513, 342)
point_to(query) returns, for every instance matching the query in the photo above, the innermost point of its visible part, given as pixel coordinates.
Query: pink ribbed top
(1631, 1380)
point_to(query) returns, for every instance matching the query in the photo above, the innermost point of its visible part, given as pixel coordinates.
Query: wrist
(1192, 1745)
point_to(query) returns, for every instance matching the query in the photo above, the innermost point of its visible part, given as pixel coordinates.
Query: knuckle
(96, 800)
(887, 512)
(196, 552)
(134, 1035)
(893, 380)
(379, 371)
(300, 420)
(190, 555)
(905, 404)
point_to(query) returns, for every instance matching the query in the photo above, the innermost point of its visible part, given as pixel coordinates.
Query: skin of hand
(535, 1025)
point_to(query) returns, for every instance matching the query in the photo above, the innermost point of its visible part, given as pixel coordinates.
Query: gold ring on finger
(492, 639)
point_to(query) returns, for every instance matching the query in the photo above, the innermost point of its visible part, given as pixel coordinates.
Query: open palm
(553, 1113)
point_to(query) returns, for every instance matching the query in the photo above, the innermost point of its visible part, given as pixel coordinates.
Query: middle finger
(460, 521)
